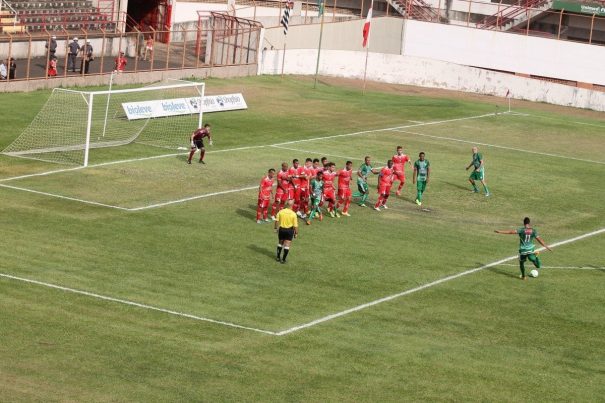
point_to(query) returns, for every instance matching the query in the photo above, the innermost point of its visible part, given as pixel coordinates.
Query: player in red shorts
(264, 196)
(329, 195)
(308, 174)
(297, 173)
(197, 142)
(385, 181)
(283, 191)
(399, 161)
(344, 188)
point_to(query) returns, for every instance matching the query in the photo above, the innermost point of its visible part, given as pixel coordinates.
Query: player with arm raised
(329, 194)
(363, 191)
(385, 181)
(197, 142)
(478, 171)
(344, 188)
(282, 193)
(526, 234)
(264, 196)
(399, 160)
(422, 171)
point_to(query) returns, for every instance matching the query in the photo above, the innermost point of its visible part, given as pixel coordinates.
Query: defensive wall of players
(442, 56)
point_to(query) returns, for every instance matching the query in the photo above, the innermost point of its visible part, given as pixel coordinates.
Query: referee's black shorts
(285, 234)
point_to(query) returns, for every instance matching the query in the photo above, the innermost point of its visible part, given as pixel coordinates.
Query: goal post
(72, 123)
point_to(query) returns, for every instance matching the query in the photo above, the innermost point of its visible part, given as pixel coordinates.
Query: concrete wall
(386, 36)
(129, 78)
(502, 51)
(19, 50)
(428, 73)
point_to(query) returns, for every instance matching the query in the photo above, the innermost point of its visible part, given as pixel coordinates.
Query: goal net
(72, 123)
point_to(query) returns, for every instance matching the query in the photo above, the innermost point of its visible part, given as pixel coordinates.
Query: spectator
(74, 48)
(12, 69)
(149, 48)
(3, 71)
(52, 67)
(120, 63)
(52, 47)
(87, 57)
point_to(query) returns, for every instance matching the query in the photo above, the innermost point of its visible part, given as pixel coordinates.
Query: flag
(286, 18)
(366, 28)
(507, 93)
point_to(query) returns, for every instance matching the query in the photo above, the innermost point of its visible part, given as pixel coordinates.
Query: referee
(286, 226)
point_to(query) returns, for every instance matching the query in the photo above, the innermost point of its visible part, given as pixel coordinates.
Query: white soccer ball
(534, 273)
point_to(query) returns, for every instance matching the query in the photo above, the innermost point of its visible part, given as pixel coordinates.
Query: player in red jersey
(197, 142)
(308, 174)
(264, 196)
(297, 173)
(329, 196)
(399, 161)
(344, 188)
(316, 167)
(385, 181)
(324, 164)
(283, 191)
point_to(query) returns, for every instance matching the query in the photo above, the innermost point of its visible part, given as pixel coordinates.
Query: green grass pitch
(154, 231)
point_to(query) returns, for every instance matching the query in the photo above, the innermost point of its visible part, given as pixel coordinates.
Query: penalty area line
(425, 286)
(136, 304)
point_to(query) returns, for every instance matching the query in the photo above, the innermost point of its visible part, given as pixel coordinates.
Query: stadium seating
(54, 15)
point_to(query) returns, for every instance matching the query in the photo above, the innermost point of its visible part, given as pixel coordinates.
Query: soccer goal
(72, 123)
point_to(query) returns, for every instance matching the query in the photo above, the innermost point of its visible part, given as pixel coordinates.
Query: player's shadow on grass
(262, 250)
(249, 213)
(457, 186)
(503, 272)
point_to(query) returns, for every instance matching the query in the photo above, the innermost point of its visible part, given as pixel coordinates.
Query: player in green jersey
(422, 171)
(526, 234)
(478, 173)
(317, 189)
(362, 181)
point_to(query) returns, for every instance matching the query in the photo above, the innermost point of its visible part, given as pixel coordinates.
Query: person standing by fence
(52, 47)
(74, 48)
(87, 57)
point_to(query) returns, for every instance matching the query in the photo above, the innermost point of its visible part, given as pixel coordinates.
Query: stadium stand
(36, 16)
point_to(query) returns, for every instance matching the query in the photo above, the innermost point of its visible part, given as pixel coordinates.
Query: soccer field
(143, 278)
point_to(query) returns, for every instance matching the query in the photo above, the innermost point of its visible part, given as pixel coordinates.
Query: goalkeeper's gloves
(192, 145)
(210, 141)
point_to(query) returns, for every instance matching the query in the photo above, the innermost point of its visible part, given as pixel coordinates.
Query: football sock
(400, 187)
(279, 248)
(522, 267)
(286, 251)
(485, 189)
(259, 212)
(419, 195)
(202, 153)
(364, 198)
(191, 155)
(475, 188)
(537, 262)
(347, 204)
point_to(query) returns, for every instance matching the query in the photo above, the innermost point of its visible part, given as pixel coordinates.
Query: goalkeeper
(317, 189)
(362, 181)
(197, 142)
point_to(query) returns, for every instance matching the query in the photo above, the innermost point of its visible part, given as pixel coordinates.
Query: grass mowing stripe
(425, 286)
(498, 146)
(94, 203)
(317, 153)
(132, 303)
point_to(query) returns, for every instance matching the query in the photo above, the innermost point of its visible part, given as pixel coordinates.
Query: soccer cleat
(259, 221)
(267, 220)
(362, 205)
(418, 202)
(522, 277)
(202, 162)
(321, 217)
(277, 259)
(332, 213)
(384, 206)
(344, 213)
(308, 222)
(283, 261)
(337, 214)
(273, 218)
(398, 193)
(377, 208)
(303, 216)
(488, 194)
(189, 162)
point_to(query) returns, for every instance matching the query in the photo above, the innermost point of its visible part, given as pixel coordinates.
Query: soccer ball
(534, 273)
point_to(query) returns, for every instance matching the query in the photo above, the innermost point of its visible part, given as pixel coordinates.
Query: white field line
(318, 153)
(64, 197)
(498, 146)
(191, 198)
(132, 303)
(557, 119)
(425, 286)
(561, 267)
